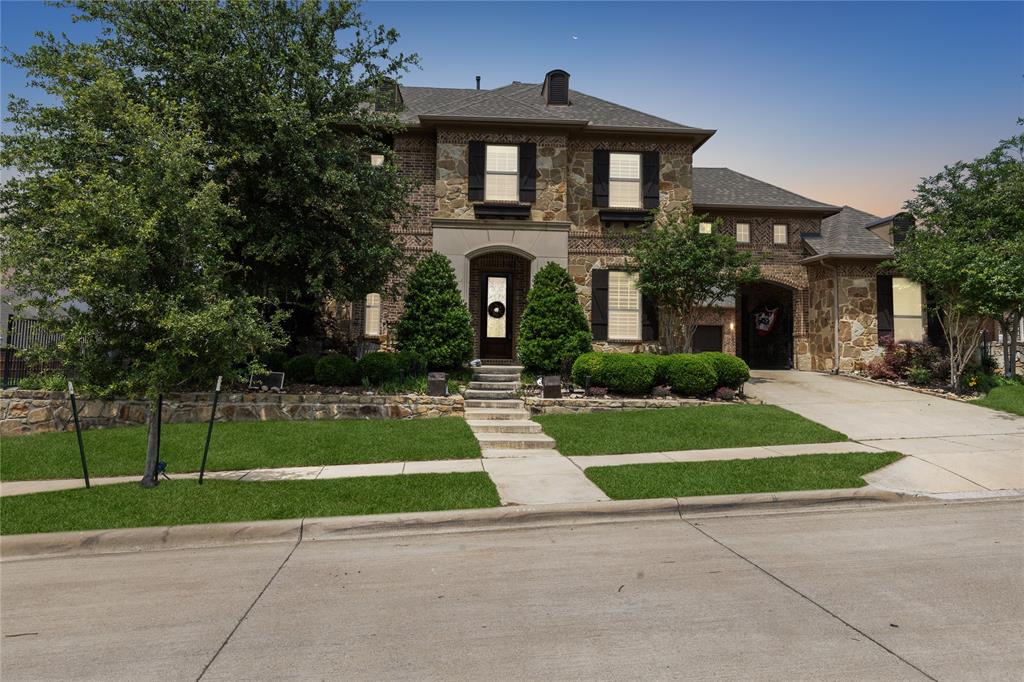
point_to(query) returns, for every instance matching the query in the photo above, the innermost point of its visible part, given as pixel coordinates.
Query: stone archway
(498, 283)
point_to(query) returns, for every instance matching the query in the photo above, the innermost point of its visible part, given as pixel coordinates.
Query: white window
(502, 182)
(743, 233)
(907, 310)
(371, 320)
(376, 159)
(624, 180)
(623, 306)
(705, 228)
(781, 233)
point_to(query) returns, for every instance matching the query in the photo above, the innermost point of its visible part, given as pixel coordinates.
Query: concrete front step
(493, 385)
(480, 376)
(510, 404)
(499, 369)
(503, 426)
(515, 441)
(476, 394)
(510, 453)
(496, 414)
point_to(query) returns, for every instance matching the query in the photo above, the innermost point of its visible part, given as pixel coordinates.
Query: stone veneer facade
(858, 316)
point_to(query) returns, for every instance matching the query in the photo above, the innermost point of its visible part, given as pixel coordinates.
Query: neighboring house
(509, 179)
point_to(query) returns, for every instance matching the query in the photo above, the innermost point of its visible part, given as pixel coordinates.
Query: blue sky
(848, 103)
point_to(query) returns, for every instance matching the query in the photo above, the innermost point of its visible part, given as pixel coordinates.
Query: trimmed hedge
(436, 323)
(638, 373)
(690, 375)
(300, 369)
(554, 329)
(335, 369)
(381, 367)
(731, 371)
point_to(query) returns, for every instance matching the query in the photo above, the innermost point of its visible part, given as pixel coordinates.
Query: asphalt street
(911, 591)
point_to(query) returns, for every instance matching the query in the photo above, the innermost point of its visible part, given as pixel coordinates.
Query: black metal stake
(209, 431)
(78, 432)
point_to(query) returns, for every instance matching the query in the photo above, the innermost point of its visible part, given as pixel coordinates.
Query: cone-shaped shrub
(436, 323)
(554, 329)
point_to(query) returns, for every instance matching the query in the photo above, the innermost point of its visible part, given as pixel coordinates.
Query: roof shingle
(713, 187)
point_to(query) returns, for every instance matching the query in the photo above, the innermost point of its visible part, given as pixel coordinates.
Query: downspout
(835, 318)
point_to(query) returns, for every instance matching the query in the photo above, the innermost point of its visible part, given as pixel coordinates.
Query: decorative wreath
(496, 309)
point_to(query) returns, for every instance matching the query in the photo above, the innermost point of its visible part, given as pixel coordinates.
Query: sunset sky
(849, 103)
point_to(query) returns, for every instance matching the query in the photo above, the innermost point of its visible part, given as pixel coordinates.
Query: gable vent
(556, 87)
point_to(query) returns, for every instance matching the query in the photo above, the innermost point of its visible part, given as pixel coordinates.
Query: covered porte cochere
(772, 325)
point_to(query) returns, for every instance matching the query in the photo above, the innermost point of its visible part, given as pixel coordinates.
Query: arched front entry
(498, 282)
(766, 325)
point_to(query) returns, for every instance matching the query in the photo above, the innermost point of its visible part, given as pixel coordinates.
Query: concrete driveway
(953, 447)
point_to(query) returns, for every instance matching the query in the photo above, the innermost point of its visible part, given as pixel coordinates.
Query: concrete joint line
(251, 606)
(797, 592)
(948, 471)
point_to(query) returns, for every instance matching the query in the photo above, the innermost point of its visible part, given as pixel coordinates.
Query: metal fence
(23, 334)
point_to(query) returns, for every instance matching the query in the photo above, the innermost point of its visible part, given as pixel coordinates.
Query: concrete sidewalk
(951, 447)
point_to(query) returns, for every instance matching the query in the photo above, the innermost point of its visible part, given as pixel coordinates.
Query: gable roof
(846, 234)
(717, 188)
(525, 103)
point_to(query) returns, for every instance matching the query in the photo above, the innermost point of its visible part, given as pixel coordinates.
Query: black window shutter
(599, 304)
(883, 283)
(527, 172)
(648, 318)
(650, 176)
(477, 163)
(600, 178)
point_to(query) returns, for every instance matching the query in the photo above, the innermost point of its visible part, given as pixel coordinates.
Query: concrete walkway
(952, 447)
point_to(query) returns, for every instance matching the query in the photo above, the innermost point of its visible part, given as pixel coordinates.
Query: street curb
(85, 543)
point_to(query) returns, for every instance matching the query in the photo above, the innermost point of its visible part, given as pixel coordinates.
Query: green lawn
(681, 428)
(239, 445)
(1008, 398)
(726, 477)
(184, 502)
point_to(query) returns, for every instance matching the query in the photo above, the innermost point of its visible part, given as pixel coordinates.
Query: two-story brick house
(509, 179)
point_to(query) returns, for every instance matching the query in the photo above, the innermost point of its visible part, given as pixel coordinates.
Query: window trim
(488, 173)
(367, 306)
(613, 309)
(639, 180)
(745, 240)
(775, 234)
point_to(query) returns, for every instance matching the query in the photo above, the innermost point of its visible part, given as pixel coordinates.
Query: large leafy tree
(285, 92)
(965, 249)
(686, 271)
(111, 227)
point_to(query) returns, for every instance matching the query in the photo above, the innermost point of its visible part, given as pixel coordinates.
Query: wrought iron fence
(24, 334)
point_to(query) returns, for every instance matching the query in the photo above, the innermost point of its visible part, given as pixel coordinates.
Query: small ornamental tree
(554, 329)
(686, 271)
(436, 322)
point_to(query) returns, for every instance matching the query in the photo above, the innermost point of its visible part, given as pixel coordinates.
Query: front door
(496, 323)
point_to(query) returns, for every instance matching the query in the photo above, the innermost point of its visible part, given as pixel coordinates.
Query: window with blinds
(371, 318)
(502, 173)
(743, 233)
(624, 181)
(781, 233)
(705, 228)
(623, 306)
(908, 310)
(376, 159)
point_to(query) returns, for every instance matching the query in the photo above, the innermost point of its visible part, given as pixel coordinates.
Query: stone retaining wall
(586, 405)
(28, 412)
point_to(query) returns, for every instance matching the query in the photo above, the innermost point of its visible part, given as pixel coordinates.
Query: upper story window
(624, 316)
(781, 233)
(502, 173)
(624, 180)
(743, 233)
(371, 321)
(376, 159)
(705, 228)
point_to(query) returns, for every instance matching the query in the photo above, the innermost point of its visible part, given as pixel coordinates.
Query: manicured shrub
(379, 368)
(275, 360)
(300, 369)
(725, 393)
(335, 369)
(554, 329)
(730, 370)
(919, 376)
(629, 373)
(436, 322)
(691, 375)
(878, 368)
(410, 363)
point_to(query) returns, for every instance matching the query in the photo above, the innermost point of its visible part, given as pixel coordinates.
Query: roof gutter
(507, 121)
(841, 256)
(822, 211)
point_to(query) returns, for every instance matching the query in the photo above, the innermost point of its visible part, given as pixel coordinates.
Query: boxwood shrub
(335, 369)
(629, 373)
(300, 369)
(730, 370)
(690, 375)
(379, 368)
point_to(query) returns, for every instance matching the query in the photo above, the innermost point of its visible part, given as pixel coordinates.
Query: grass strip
(1008, 398)
(239, 445)
(185, 502)
(681, 428)
(734, 476)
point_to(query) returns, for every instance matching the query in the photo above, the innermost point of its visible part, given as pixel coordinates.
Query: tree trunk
(1009, 323)
(151, 478)
(962, 336)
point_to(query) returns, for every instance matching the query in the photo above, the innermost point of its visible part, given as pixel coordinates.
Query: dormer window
(556, 87)
(502, 180)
